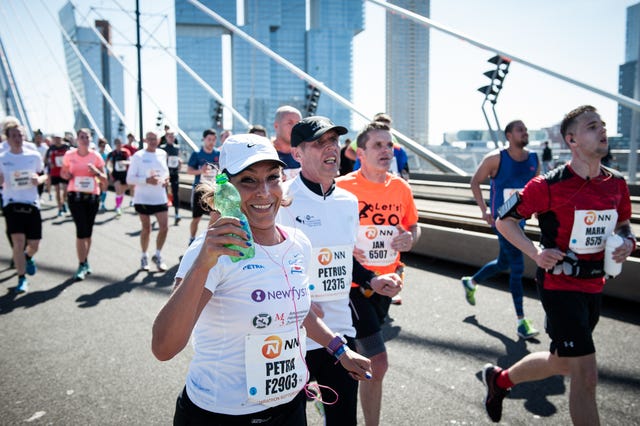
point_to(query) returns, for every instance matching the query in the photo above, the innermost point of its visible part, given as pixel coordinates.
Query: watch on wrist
(335, 344)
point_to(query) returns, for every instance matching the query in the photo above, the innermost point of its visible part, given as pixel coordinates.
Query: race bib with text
(590, 230)
(275, 367)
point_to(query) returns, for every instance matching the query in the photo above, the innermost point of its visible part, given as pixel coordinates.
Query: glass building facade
(407, 67)
(333, 24)
(627, 71)
(108, 71)
(199, 45)
(259, 84)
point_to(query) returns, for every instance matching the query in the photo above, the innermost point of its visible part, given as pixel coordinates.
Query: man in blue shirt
(204, 166)
(508, 170)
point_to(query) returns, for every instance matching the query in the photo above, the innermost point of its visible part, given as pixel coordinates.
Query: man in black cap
(329, 218)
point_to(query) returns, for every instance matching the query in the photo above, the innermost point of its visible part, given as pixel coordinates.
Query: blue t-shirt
(288, 159)
(200, 158)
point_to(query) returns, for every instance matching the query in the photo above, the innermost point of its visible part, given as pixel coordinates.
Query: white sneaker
(159, 263)
(144, 263)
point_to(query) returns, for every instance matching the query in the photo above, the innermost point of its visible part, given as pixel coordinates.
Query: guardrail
(452, 229)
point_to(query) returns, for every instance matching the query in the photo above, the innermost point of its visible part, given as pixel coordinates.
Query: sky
(582, 39)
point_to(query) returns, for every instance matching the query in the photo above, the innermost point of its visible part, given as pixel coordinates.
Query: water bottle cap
(222, 178)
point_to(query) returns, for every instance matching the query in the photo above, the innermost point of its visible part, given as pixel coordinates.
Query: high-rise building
(333, 24)
(199, 45)
(322, 48)
(109, 72)
(627, 71)
(407, 68)
(260, 85)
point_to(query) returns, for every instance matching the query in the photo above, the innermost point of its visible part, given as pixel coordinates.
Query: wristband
(335, 344)
(341, 350)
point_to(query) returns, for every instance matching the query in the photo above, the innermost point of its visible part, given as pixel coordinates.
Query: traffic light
(497, 75)
(217, 115)
(312, 100)
(120, 127)
(159, 119)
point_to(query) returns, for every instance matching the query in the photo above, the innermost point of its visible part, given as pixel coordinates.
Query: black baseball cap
(312, 128)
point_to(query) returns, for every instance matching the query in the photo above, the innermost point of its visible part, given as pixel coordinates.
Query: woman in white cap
(249, 318)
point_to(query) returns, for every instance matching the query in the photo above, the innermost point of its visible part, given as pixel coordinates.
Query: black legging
(175, 190)
(84, 208)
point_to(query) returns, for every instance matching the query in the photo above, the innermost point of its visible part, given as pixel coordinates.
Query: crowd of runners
(302, 318)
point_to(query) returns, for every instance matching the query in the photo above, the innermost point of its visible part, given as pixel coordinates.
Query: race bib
(84, 183)
(590, 230)
(330, 273)
(121, 166)
(152, 173)
(275, 367)
(173, 161)
(508, 192)
(20, 179)
(208, 177)
(58, 161)
(375, 240)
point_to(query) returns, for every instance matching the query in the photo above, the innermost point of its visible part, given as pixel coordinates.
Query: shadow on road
(11, 300)
(534, 393)
(126, 285)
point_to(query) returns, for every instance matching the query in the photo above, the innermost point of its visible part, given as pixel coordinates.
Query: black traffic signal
(217, 115)
(497, 76)
(159, 119)
(312, 100)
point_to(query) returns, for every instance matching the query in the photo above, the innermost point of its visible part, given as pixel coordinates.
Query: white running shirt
(332, 226)
(145, 164)
(249, 347)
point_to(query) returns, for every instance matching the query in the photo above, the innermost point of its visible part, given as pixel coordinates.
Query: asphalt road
(79, 353)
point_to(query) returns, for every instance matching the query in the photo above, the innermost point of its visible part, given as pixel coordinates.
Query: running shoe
(87, 268)
(526, 330)
(396, 300)
(144, 263)
(60, 212)
(80, 273)
(469, 290)
(178, 219)
(118, 212)
(495, 394)
(103, 208)
(23, 285)
(159, 263)
(31, 266)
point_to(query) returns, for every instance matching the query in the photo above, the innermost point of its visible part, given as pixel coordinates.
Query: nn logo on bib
(273, 346)
(591, 217)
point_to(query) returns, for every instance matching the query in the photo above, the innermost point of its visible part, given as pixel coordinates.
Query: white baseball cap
(241, 151)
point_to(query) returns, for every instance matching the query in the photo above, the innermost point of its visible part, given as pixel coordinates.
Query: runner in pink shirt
(84, 168)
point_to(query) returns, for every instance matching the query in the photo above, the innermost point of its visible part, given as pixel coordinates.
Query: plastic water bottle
(612, 268)
(227, 201)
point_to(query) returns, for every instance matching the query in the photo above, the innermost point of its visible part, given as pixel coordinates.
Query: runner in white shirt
(329, 216)
(149, 173)
(249, 318)
(19, 179)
